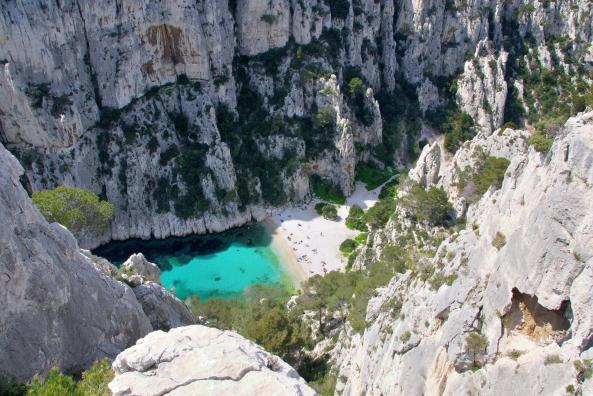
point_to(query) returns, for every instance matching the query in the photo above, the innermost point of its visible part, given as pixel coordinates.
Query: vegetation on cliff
(81, 211)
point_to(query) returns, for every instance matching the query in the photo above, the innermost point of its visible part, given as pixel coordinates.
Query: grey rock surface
(163, 309)
(58, 309)
(138, 264)
(530, 298)
(196, 359)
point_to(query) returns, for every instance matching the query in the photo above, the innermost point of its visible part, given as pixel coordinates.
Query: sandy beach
(309, 243)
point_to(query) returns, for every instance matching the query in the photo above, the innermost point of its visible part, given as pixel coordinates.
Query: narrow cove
(210, 266)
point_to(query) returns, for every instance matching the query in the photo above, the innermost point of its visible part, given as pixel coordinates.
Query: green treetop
(81, 211)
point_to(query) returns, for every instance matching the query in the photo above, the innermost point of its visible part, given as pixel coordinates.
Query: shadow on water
(180, 250)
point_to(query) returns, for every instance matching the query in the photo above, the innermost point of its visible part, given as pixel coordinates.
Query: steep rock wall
(92, 93)
(61, 308)
(543, 211)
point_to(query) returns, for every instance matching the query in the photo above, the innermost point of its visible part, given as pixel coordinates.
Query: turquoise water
(208, 266)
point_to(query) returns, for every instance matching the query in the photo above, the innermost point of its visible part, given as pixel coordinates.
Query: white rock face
(544, 210)
(138, 264)
(201, 360)
(67, 69)
(58, 308)
(482, 91)
(61, 305)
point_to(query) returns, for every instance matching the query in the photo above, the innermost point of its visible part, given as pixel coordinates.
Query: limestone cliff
(201, 360)
(60, 305)
(519, 275)
(197, 116)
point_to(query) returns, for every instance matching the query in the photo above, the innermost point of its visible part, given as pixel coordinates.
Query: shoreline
(310, 243)
(288, 259)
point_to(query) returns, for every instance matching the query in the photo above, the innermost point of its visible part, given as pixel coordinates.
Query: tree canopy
(81, 211)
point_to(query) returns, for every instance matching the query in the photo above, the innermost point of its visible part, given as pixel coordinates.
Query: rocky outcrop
(58, 309)
(517, 277)
(163, 309)
(61, 306)
(201, 360)
(137, 264)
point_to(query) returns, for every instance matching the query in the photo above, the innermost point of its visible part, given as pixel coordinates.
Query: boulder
(137, 264)
(163, 309)
(200, 360)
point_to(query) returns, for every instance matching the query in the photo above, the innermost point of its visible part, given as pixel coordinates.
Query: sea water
(208, 266)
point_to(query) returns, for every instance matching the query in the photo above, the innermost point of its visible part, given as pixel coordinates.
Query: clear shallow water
(208, 266)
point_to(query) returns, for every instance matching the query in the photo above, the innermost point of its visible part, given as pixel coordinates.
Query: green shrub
(261, 316)
(319, 207)
(326, 190)
(371, 176)
(405, 336)
(79, 210)
(475, 344)
(325, 118)
(584, 368)
(329, 212)
(499, 240)
(93, 383)
(348, 246)
(269, 19)
(389, 190)
(378, 214)
(361, 238)
(440, 279)
(56, 383)
(431, 206)
(490, 173)
(8, 388)
(457, 125)
(540, 142)
(553, 359)
(355, 86)
(355, 221)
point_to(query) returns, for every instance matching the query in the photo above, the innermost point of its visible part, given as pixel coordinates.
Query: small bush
(540, 142)
(440, 279)
(356, 86)
(371, 176)
(499, 240)
(378, 215)
(329, 212)
(584, 368)
(553, 359)
(475, 344)
(348, 246)
(93, 383)
(355, 221)
(325, 118)
(319, 207)
(491, 173)
(269, 19)
(8, 388)
(326, 190)
(389, 190)
(405, 337)
(430, 205)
